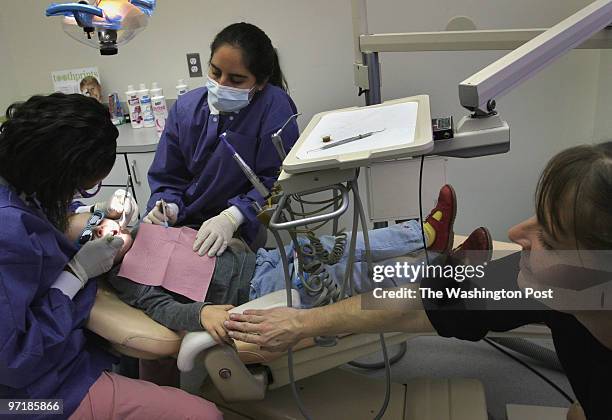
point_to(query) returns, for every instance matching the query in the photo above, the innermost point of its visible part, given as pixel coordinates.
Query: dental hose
(379, 365)
(387, 362)
(321, 282)
(285, 262)
(421, 209)
(534, 351)
(383, 344)
(329, 258)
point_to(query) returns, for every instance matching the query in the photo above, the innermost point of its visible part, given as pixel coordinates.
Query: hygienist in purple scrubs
(50, 148)
(193, 172)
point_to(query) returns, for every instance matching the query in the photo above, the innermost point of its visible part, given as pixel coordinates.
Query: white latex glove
(156, 215)
(119, 206)
(95, 257)
(214, 234)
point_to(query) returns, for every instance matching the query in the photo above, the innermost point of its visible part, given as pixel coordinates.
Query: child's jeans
(387, 243)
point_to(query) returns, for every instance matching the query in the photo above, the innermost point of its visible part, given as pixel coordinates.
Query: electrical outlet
(194, 65)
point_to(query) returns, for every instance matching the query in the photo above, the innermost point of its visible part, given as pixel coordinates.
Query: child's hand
(212, 318)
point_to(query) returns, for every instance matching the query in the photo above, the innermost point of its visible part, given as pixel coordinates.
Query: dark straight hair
(574, 196)
(50, 146)
(259, 56)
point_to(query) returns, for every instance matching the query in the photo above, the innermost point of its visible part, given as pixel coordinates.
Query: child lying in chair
(239, 275)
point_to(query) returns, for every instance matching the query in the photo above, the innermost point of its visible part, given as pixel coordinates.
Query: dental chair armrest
(129, 330)
(196, 342)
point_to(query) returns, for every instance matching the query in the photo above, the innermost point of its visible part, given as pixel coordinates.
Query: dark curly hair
(50, 146)
(574, 196)
(259, 56)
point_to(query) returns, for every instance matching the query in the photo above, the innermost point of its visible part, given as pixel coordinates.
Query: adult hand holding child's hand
(212, 318)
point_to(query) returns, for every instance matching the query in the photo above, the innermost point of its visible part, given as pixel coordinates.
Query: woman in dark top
(573, 222)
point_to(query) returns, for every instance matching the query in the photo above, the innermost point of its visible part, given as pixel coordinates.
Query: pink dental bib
(164, 257)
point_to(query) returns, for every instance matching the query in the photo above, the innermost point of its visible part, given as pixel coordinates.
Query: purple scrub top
(45, 351)
(194, 170)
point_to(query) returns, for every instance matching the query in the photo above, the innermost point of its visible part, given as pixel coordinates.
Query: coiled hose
(329, 258)
(316, 281)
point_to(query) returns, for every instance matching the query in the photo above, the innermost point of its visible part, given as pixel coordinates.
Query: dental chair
(248, 383)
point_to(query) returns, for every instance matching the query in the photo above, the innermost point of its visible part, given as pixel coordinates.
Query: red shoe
(447, 205)
(476, 250)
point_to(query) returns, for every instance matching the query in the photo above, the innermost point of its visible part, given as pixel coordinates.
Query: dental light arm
(478, 92)
(483, 132)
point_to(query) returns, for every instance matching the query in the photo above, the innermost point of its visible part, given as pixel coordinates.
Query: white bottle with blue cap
(147, 108)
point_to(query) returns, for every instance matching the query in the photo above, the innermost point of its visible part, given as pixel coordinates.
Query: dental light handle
(277, 139)
(252, 177)
(259, 186)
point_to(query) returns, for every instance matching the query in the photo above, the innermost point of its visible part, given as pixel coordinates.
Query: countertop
(136, 140)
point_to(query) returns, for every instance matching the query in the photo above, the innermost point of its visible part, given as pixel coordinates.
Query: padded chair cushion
(128, 327)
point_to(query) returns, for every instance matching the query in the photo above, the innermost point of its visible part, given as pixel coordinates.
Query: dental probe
(163, 206)
(122, 220)
(350, 139)
(259, 186)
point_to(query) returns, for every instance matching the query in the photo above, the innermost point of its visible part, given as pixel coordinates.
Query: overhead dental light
(103, 24)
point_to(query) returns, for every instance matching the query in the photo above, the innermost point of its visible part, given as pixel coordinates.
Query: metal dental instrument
(277, 140)
(163, 206)
(122, 220)
(350, 139)
(259, 186)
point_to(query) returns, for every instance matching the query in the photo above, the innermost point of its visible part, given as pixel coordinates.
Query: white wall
(8, 93)
(182, 26)
(314, 38)
(546, 114)
(603, 122)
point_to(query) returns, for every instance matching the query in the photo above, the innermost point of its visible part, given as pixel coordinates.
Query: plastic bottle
(155, 90)
(147, 108)
(181, 88)
(160, 111)
(134, 107)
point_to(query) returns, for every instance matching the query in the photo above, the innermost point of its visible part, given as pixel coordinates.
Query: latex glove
(119, 206)
(95, 257)
(214, 234)
(156, 215)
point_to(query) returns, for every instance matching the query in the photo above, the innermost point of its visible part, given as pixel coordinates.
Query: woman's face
(549, 262)
(530, 235)
(227, 68)
(537, 244)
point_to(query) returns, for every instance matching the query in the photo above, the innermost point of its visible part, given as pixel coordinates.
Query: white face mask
(227, 99)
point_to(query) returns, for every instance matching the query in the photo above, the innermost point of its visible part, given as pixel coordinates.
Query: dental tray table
(394, 129)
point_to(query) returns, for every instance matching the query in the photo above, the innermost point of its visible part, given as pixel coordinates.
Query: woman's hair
(574, 196)
(259, 56)
(50, 146)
